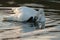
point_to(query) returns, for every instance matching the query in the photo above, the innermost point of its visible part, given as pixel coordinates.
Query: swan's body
(24, 13)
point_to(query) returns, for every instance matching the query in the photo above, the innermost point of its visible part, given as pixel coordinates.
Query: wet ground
(16, 30)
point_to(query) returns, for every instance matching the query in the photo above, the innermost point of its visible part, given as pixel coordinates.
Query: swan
(28, 14)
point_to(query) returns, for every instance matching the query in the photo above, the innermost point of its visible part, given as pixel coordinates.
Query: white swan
(24, 13)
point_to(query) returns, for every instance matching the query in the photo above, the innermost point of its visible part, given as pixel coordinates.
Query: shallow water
(7, 29)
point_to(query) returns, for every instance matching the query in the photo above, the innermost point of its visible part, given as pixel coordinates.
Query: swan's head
(15, 10)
